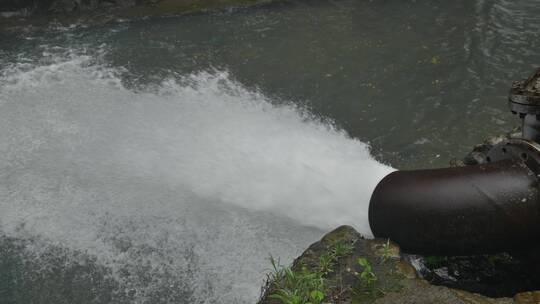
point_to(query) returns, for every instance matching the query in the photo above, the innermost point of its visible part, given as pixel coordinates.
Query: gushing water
(181, 190)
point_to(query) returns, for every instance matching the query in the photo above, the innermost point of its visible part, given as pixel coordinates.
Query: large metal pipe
(454, 211)
(485, 208)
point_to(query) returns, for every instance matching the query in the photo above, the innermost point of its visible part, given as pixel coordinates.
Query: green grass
(315, 285)
(387, 251)
(305, 286)
(367, 276)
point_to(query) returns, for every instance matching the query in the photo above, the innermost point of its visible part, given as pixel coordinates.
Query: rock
(379, 247)
(530, 297)
(396, 279)
(495, 275)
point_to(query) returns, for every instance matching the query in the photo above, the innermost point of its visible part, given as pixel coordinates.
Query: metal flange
(519, 150)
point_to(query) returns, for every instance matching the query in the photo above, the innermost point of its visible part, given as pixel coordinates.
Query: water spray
(490, 207)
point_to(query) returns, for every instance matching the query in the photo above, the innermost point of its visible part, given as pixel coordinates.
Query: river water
(164, 160)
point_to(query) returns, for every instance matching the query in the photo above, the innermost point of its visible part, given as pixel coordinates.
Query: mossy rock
(397, 281)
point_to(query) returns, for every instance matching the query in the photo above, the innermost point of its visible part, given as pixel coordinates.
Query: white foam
(197, 168)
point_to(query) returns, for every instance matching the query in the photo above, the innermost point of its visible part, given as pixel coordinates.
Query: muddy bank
(12, 8)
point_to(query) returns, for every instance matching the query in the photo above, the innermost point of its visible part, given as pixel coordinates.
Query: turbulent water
(190, 182)
(165, 160)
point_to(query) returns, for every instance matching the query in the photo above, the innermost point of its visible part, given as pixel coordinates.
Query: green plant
(342, 249)
(293, 297)
(296, 287)
(287, 296)
(326, 261)
(305, 286)
(317, 296)
(367, 276)
(387, 251)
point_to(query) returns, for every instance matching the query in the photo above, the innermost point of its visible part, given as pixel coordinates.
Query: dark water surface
(107, 198)
(421, 81)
